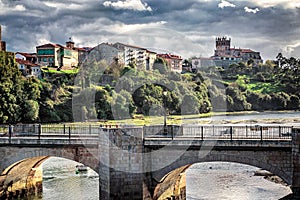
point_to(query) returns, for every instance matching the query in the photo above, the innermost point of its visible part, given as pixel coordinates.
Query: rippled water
(60, 182)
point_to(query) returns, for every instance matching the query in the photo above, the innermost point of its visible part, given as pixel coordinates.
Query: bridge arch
(183, 163)
(11, 155)
(224, 157)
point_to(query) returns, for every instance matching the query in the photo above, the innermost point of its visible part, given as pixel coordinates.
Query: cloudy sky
(185, 27)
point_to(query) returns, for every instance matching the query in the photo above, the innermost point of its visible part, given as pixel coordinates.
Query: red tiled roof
(49, 45)
(25, 62)
(128, 45)
(27, 55)
(247, 51)
(170, 56)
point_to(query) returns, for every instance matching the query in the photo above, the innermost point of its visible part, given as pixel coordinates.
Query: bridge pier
(121, 164)
(296, 162)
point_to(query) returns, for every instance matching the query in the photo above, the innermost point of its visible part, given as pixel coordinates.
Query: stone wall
(121, 164)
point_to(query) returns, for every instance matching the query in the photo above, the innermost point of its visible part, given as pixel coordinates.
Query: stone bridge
(145, 162)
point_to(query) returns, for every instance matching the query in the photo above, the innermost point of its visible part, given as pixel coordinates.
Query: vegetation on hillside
(99, 91)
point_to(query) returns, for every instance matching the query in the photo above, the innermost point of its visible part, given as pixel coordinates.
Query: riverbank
(270, 177)
(249, 117)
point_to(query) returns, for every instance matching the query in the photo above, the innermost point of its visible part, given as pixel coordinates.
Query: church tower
(222, 46)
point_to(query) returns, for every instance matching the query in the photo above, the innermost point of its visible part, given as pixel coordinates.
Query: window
(45, 51)
(45, 59)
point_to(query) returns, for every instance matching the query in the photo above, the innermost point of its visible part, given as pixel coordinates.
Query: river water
(205, 181)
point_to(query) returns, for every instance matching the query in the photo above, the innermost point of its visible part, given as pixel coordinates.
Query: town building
(174, 62)
(109, 53)
(224, 55)
(28, 68)
(27, 63)
(2, 43)
(137, 56)
(59, 56)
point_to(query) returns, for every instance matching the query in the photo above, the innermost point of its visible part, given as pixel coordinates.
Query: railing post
(231, 132)
(10, 130)
(261, 133)
(172, 132)
(279, 131)
(90, 129)
(64, 129)
(39, 131)
(202, 130)
(69, 132)
(246, 131)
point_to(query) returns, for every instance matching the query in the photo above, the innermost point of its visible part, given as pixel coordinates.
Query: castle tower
(70, 44)
(222, 46)
(2, 43)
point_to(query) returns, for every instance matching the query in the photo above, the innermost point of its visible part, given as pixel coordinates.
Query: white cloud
(62, 5)
(290, 48)
(250, 10)
(5, 9)
(224, 4)
(272, 3)
(128, 4)
(19, 8)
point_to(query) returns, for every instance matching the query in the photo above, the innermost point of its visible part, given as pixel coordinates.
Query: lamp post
(165, 93)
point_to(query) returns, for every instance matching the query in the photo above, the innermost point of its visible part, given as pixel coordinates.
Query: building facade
(56, 55)
(109, 53)
(174, 62)
(28, 68)
(49, 55)
(140, 57)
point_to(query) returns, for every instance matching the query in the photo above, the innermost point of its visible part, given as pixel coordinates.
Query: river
(205, 181)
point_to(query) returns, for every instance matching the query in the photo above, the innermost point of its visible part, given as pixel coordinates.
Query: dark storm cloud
(27, 23)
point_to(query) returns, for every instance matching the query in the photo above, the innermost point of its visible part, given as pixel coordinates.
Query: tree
(190, 105)
(11, 92)
(160, 65)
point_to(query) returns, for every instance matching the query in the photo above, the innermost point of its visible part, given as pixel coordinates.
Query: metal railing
(202, 132)
(228, 132)
(52, 131)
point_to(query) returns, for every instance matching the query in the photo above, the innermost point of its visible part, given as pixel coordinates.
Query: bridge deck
(30, 134)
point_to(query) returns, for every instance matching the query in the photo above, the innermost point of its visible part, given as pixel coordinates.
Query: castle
(224, 55)
(225, 52)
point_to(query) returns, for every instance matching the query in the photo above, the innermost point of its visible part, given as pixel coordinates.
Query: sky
(185, 27)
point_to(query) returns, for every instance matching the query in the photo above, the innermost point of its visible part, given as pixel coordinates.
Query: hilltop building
(138, 56)
(27, 63)
(109, 53)
(56, 55)
(174, 62)
(2, 43)
(225, 55)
